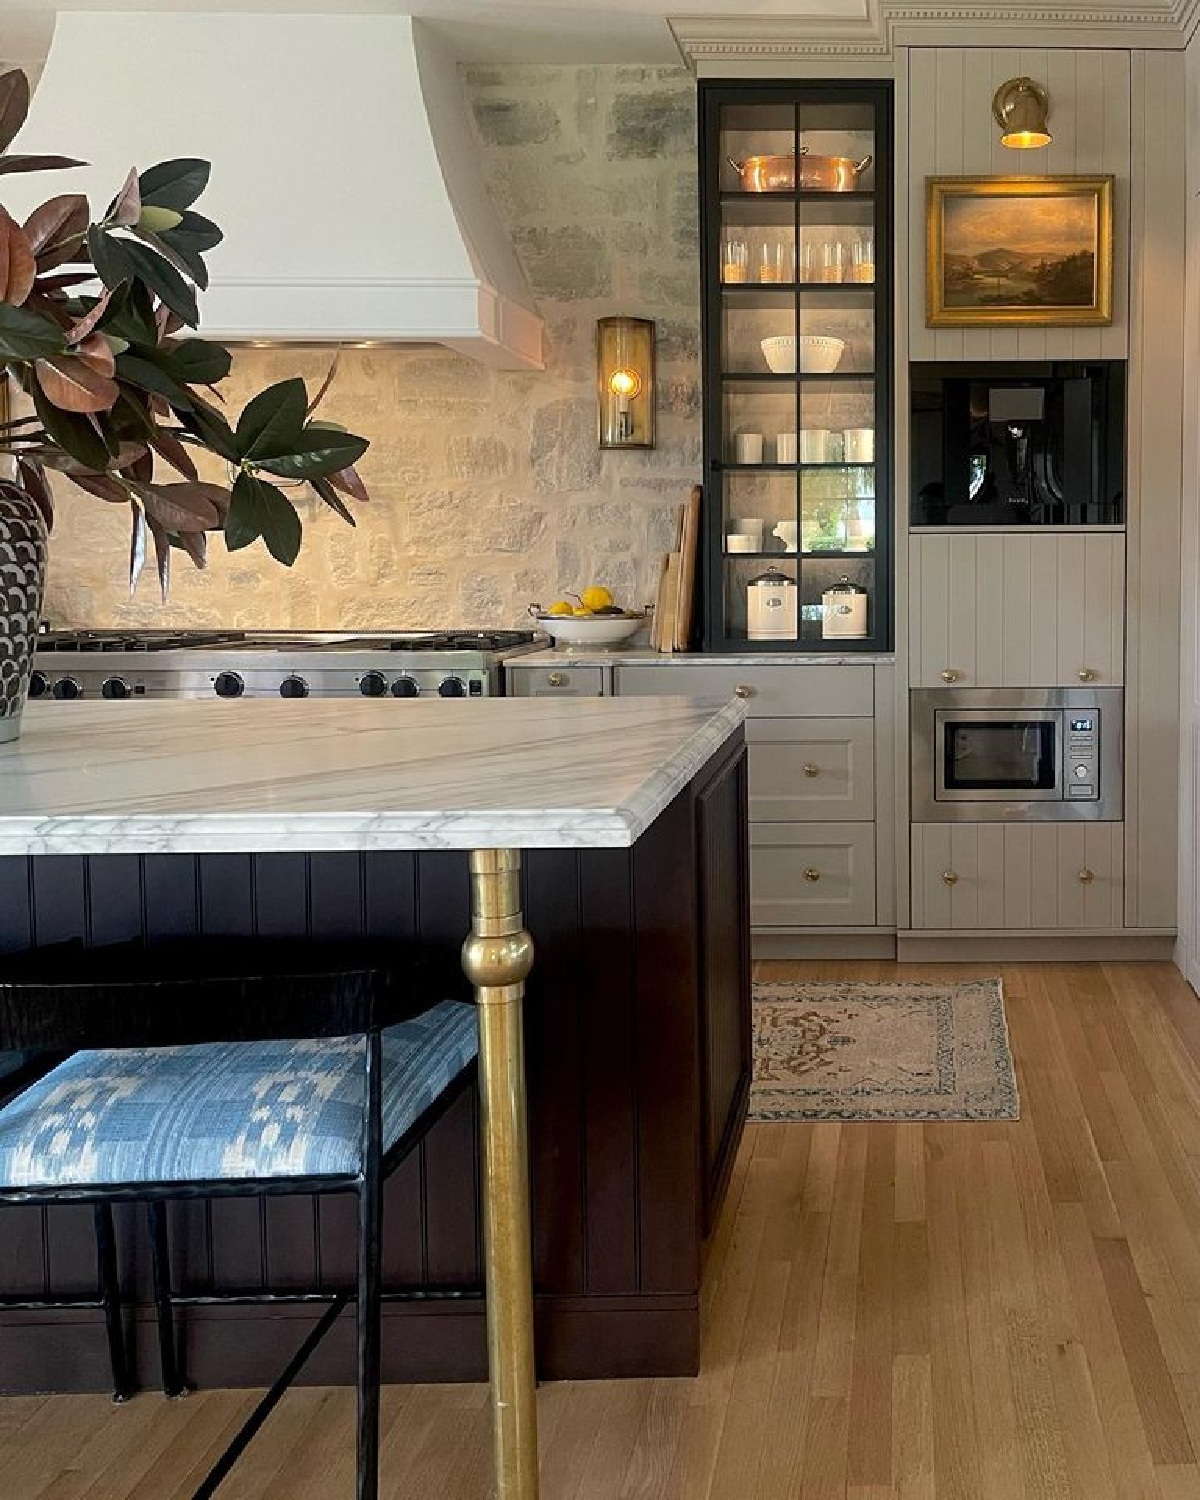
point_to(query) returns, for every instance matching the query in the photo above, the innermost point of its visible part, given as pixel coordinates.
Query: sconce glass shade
(1020, 107)
(625, 382)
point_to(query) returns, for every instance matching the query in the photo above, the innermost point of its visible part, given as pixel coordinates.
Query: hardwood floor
(908, 1312)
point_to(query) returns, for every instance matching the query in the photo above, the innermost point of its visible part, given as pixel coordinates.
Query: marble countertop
(640, 656)
(191, 776)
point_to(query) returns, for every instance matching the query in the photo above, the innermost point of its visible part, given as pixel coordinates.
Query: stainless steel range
(73, 664)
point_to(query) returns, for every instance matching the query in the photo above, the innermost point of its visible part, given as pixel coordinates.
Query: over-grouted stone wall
(488, 488)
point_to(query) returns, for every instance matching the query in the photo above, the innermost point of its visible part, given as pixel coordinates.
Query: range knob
(228, 685)
(452, 687)
(67, 687)
(115, 687)
(372, 684)
(37, 684)
(293, 687)
(405, 687)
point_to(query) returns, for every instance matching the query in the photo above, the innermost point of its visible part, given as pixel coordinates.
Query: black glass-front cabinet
(796, 207)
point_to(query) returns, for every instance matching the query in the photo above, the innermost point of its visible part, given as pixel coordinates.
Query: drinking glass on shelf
(772, 261)
(735, 264)
(808, 262)
(832, 261)
(862, 261)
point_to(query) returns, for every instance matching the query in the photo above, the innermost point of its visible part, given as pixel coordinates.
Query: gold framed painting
(1018, 251)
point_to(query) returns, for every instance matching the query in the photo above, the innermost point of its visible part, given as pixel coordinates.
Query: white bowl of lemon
(590, 619)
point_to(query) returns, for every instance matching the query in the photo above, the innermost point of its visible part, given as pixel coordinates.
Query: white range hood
(344, 171)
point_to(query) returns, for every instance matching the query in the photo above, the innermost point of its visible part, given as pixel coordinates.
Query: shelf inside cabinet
(852, 295)
(804, 195)
(752, 379)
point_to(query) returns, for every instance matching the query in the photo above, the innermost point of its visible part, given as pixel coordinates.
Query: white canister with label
(771, 607)
(844, 612)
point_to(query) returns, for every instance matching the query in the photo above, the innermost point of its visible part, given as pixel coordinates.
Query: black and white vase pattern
(22, 581)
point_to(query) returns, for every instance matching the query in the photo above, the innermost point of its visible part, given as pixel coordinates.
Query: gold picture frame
(1014, 252)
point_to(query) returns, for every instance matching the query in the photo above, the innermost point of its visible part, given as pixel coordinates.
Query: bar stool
(273, 1069)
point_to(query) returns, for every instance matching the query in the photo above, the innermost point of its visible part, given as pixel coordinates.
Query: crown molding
(888, 24)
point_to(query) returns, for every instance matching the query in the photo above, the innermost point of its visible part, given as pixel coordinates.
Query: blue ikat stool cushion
(226, 1111)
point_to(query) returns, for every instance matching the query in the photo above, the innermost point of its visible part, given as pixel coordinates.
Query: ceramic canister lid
(772, 579)
(844, 586)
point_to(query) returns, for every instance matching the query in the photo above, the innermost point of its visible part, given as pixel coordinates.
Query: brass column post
(496, 959)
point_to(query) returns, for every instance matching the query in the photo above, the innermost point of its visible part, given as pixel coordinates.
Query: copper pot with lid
(777, 174)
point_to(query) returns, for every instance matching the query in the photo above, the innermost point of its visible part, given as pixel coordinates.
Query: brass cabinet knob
(744, 690)
(950, 675)
(949, 877)
(811, 770)
(1085, 674)
(1086, 877)
(812, 874)
(556, 679)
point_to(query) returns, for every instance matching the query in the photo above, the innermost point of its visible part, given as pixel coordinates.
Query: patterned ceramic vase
(22, 580)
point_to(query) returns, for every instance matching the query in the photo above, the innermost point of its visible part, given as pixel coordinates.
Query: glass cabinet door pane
(758, 148)
(756, 415)
(777, 615)
(759, 514)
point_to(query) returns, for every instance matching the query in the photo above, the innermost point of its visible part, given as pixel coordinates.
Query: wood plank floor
(909, 1312)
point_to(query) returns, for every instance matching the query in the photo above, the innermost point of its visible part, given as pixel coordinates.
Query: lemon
(582, 609)
(596, 597)
(561, 607)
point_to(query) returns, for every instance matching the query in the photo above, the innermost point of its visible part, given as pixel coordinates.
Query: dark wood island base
(638, 1037)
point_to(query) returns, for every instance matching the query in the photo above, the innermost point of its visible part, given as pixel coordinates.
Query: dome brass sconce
(625, 382)
(1020, 107)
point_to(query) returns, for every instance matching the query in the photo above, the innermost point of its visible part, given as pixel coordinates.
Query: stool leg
(174, 1383)
(110, 1293)
(370, 1281)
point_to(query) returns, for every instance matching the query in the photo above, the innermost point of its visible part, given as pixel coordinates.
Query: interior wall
(488, 488)
(952, 133)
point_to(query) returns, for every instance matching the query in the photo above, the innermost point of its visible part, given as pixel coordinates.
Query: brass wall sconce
(625, 382)
(1020, 107)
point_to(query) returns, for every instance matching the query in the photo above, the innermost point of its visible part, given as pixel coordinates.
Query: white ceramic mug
(814, 445)
(785, 448)
(860, 445)
(748, 447)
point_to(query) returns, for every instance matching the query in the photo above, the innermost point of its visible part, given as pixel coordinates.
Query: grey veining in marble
(558, 657)
(192, 776)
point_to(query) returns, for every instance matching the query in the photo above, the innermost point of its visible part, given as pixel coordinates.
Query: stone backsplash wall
(488, 488)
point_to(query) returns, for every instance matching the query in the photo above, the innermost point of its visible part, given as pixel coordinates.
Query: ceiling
(542, 31)
(629, 31)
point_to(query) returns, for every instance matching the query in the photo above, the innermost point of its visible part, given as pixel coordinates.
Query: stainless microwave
(1008, 754)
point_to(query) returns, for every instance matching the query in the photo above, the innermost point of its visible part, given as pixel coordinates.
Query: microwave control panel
(1082, 755)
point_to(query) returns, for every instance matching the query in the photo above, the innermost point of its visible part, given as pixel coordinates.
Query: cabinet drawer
(815, 875)
(979, 876)
(770, 692)
(814, 770)
(555, 682)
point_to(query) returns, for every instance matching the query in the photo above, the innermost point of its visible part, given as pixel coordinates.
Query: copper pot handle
(736, 165)
(861, 167)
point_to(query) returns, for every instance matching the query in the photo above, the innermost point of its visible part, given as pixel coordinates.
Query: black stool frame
(299, 1000)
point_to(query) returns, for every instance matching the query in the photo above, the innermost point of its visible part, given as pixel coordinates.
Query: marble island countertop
(187, 776)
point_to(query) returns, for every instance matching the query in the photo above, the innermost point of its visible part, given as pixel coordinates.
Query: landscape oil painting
(1018, 251)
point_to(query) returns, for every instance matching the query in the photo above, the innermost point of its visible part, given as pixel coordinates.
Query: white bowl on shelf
(591, 630)
(810, 354)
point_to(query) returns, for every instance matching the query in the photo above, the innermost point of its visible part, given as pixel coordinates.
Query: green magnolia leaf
(259, 509)
(194, 232)
(163, 280)
(195, 361)
(186, 262)
(155, 219)
(73, 432)
(318, 451)
(174, 184)
(209, 428)
(333, 499)
(130, 316)
(110, 257)
(149, 375)
(27, 335)
(272, 423)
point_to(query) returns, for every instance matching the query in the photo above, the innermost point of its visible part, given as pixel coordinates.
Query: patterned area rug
(897, 1050)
